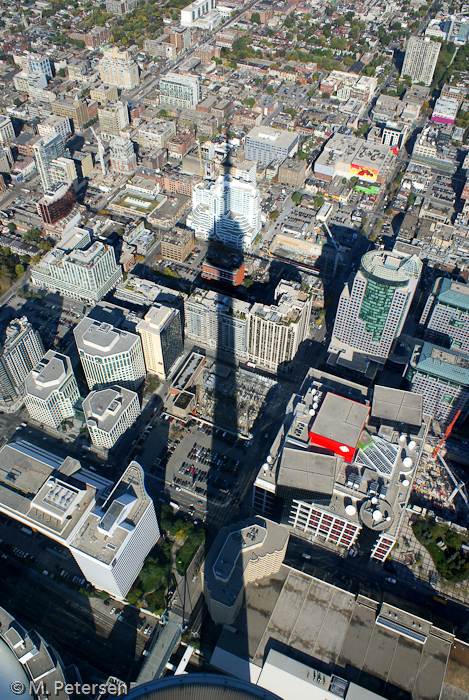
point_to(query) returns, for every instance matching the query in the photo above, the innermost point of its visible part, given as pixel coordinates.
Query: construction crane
(446, 434)
(100, 150)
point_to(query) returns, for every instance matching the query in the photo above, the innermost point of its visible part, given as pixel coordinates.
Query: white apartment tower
(22, 349)
(51, 390)
(372, 311)
(113, 542)
(109, 413)
(118, 68)
(180, 90)
(420, 59)
(113, 119)
(162, 339)
(85, 274)
(123, 158)
(58, 498)
(226, 210)
(109, 355)
(275, 332)
(47, 149)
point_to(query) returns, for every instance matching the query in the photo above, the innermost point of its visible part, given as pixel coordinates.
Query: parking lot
(205, 463)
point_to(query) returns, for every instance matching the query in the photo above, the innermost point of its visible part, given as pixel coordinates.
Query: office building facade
(109, 413)
(266, 145)
(51, 390)
(7, 132)
(276, 332)
(446, 315)
(162, 339)
(122, 155)
(180, 90)
(330, 475)
(113, 119)
(58, 498)
(85, 274)
(441, 376)
(372, 310)
(55, 124)
(118, 68)
(57, 203)
(226, 210)
(21, 351)
(47, 149)
(109, 355)
(420, 59)
(76, 110)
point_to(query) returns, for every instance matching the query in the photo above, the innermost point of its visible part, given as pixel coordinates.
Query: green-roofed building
(441, 376)
(446, 315)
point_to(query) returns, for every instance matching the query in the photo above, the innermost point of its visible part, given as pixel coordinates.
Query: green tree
(19, 270)
(249, 102)
(273, 216)
(296, 197)
(62, 72)
(318, 202)
(270, 89)
(256, 18)
(11, 227)
(355, 32)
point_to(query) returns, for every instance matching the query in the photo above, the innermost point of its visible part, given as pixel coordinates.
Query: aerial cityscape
(234, 350)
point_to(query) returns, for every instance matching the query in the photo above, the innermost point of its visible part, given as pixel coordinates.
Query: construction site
(224, 391)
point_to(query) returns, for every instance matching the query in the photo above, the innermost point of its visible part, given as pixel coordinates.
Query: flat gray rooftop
(397, 406)
(340, 419)
(339, 632)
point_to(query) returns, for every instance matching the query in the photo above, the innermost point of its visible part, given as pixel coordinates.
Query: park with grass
(444, 546)
(177, 548)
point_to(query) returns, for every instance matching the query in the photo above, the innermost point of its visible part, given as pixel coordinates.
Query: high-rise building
(123, 157)
(275, 332)
(87, 274)
(62, 170)
(266, 145)
(22, 349)
(420, 59)
(7, 132)
(441, 376)
(226, 210)
(55, 124)
(113, 119)
(180, 90)
(217, 321)
(59, 499)
(104, 94)
(332, 476)
(195, 10)
(372, 310)
(46, 149)
(446, 315)
(57, 203)
(118, 68)
(241, 553)
(74, 109)
(162, 339)
(109, 413)
(109, 354)
(51, 390)
(120, 7)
